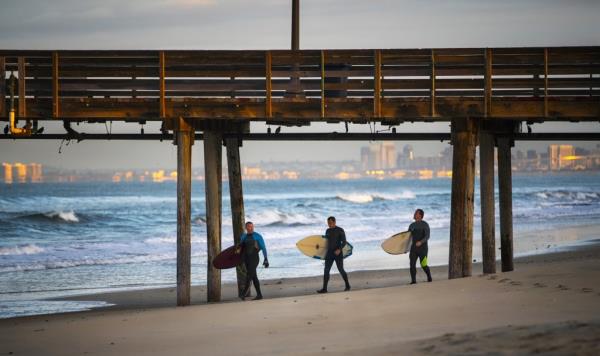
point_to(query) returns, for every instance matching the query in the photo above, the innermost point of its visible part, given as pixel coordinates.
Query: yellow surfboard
(397, 244)
(315, 246)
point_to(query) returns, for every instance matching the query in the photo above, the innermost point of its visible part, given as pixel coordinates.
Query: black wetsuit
(250, 258)
(336, 239)
(419, 232)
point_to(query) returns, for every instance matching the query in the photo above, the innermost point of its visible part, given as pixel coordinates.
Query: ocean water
(64, 239)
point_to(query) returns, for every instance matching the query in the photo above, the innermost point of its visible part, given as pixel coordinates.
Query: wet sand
(550, 303)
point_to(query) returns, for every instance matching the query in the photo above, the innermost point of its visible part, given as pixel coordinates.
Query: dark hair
(248, 222)
(331, 218)
(420, 211)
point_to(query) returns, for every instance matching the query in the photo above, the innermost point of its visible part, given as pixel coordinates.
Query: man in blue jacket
(251, 242)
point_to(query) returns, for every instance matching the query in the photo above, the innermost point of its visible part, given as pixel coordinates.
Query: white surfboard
(397, 244)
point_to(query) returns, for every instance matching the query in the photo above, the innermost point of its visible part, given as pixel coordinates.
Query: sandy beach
(550, 303)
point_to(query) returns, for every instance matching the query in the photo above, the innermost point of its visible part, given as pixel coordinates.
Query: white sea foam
(29, 249)
(67, 216)
(362, 198)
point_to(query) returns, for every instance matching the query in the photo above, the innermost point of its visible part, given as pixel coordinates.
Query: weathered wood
(22, 109)
(461, 215)
(377, 85)
(432, 85)
(2, 87)
(487, 201)
(505, 202)
(162, 86)
(322, 84)
(488, 82)
(473, 135)
(546, 82)
(237, 199)
(212, 181)
(184, 193)
(55, 87)
(269, 86)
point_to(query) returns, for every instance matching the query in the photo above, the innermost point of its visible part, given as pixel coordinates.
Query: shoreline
(302, 286)
(550, 303)
(539, 242)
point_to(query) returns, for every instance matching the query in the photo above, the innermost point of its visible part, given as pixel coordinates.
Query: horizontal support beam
(316, 136)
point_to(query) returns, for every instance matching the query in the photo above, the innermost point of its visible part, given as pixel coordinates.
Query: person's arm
(342, 238)
(426, 237)
(261, 244)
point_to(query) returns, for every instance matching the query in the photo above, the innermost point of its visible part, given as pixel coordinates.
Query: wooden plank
(184, 210)
(432, 89)
(161, 103)
(3, 88)
(377, 85)
(487, 199)
(212, 181)
(546, 82)
(22, 109)
(323, 84)
(488, 82)
(505, 202)
(268, 84)
(55, 86)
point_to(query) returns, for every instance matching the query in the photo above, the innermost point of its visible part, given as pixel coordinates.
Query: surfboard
(228, 258)
(315, 246)
(397, 244)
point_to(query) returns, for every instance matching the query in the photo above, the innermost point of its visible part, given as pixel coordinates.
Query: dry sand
(549, 304)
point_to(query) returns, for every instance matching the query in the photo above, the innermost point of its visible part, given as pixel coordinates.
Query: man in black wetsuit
(418, 249)
(336, 240)
(252, 242)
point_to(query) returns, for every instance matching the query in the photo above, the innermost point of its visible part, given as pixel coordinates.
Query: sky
(265, 24)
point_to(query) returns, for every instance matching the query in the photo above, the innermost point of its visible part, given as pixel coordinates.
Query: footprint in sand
(587, 290)
(562, 287)
(515, 283)
(504, 280)
(539, 285)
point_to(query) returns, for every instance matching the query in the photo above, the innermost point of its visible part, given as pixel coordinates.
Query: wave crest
(368, 198)
(29, 249)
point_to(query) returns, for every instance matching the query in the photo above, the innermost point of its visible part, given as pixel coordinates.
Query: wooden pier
(485, 93)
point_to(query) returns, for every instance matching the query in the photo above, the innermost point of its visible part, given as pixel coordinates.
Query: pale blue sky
(242, 24)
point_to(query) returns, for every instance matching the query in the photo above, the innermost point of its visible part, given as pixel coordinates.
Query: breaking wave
(368, 198)
(29, 249)
(55, 216)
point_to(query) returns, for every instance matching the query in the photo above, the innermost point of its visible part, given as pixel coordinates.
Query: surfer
(420, 234)
(250, 243)
(336, 240)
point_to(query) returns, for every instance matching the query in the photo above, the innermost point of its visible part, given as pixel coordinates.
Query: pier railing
(393, 85)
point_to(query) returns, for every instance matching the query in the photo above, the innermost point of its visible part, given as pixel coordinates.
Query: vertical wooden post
(322, 84)
(236, 195)
(486, 186)
(545, 82)
(184, 187)
(432, 111)
(505, 197)
(461, 214)
(161, 72)
(377, 85)
(473, 134)
(268, 85)
(3, 87)
(55, 87)
(22, 110)
(488, 83)
(212, 181)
